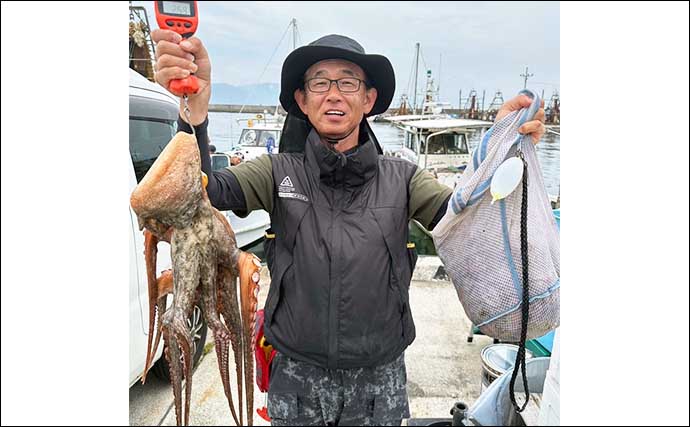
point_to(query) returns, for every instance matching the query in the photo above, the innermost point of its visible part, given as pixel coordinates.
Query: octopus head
(171, 191)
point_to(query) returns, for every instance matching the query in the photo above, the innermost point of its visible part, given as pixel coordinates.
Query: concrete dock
(442, 367)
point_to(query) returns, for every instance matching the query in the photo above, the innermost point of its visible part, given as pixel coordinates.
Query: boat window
(248, 137)
(219, 162)
(266, 134)
(408, 141)
(462, 143)
(448, 143)
(147, 138)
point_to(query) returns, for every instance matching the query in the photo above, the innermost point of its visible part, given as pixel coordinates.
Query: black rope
(520, 361)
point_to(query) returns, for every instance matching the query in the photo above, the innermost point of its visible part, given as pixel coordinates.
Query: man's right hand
(177, 58)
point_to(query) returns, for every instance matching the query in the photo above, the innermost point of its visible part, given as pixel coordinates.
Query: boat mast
(438, 86)
(416, 68)
(293, 24)
(294, 33)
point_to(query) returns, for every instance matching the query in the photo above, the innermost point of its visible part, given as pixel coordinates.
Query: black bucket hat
(378, 69)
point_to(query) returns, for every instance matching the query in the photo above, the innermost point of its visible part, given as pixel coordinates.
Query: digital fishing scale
(181, 17)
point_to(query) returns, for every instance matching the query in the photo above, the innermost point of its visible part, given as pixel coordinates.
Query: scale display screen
(177, 8)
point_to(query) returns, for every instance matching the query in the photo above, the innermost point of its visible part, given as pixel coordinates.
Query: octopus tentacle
(157, 287)
(178, 339)
(221, 334)
(249, 266)
(230, 309)
(150, 255)
(164, 287)
(160, 309)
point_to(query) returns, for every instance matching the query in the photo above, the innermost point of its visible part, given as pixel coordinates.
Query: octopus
(172, 205)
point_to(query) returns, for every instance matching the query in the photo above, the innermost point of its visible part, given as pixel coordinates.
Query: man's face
(334, 113)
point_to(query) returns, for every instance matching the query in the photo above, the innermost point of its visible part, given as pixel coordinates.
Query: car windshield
(147, 138)
(219, 162)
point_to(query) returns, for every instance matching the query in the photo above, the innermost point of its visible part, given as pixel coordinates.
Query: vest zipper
(333, 289)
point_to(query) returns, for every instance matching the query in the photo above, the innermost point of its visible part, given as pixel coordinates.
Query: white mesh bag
(480, 246)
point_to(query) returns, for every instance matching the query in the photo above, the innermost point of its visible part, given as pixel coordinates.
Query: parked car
(153, 116)
(220, 161)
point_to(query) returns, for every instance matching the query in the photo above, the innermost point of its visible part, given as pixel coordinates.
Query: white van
(153, 116)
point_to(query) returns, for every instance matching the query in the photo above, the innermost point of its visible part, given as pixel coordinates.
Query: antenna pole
(416, 70)
(526, 76)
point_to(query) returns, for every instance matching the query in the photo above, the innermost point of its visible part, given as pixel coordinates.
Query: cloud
(481, 45)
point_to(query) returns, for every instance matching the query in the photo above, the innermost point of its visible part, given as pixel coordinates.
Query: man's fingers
(194, 46)
(173, 49)
(534, 128)
(516, 103)
(531, 126)
(166, 35)
(513, 104)
(164, 76)
(166, 61)
(540, 115)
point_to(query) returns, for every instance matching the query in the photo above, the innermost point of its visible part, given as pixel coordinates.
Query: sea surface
(224, 132)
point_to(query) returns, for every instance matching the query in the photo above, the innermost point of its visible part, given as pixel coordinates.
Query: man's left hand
(534, 128)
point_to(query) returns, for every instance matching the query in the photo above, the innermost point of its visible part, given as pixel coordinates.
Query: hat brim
(378, 69)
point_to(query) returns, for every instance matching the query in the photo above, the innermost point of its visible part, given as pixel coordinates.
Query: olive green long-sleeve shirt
(427, 195)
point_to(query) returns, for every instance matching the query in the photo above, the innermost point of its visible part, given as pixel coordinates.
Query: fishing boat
(432, 108)
(261, 134)
(256, 134)
(439, 145)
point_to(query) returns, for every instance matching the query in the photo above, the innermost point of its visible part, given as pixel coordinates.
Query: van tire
(161, 369)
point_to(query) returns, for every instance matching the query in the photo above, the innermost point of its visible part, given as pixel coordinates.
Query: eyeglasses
(345, 85)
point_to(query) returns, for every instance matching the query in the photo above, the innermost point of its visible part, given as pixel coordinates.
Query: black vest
(340, 266)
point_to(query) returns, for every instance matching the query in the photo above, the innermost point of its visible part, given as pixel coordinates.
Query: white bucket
(496, 360)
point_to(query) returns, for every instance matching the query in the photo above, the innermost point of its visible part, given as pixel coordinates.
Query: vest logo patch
(287, 190)
(297, 196)
(287, 182)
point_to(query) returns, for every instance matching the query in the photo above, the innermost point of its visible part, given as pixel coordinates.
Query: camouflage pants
(304, 394)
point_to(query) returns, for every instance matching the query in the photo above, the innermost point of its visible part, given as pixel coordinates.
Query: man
(236, 159)
(337, 310)
(211, 149)
(270, 144)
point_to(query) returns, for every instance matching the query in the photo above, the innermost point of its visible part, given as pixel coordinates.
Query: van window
(147, 138)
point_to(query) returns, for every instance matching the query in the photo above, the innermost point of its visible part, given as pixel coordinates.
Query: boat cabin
(439, 143)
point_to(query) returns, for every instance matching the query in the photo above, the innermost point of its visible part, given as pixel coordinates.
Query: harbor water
(224, 132)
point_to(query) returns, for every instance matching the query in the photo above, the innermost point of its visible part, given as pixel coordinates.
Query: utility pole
(526, 76)
(416, 67)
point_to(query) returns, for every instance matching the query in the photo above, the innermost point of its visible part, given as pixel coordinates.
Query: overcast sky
(478, 45)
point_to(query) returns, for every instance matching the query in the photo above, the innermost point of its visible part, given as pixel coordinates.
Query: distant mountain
(258, 94)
